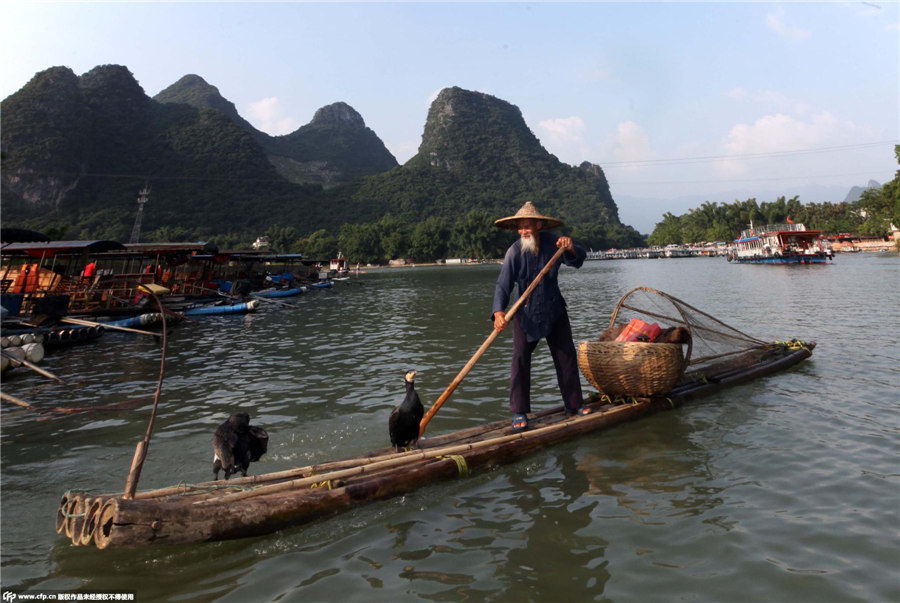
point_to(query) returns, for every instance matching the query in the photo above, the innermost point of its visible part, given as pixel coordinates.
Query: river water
(783, 489)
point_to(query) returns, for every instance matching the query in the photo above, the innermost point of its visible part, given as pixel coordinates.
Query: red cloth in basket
(638, 330)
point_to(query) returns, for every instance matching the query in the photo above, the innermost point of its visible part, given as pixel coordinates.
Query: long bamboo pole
(15, 362)
(213, 489)
(91, 323)
(14, 400)
(124, 522)
(487, 343)
(140, 451)
(408, 458)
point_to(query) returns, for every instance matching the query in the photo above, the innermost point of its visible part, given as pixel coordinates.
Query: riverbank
(868, 246)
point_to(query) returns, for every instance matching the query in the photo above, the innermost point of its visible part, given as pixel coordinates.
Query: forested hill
(335, 147)
(477, 153)
(76, 150)
(193, 90)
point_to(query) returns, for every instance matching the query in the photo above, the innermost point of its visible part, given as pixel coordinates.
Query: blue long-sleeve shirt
(546, 303)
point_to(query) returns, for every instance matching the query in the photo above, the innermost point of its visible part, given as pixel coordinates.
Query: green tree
(361, 243)
(666, 232)
(429, 239)
(475, 236)
(880, 207)
(169, 234)
(281, 238)
(394, 238)
(319, 245)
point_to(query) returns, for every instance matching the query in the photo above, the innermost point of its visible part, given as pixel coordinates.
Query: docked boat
(780, 244)
(276, 292)
(709, 356)
(223, 308)
(46, 280)
(338, 266)
(141, 320)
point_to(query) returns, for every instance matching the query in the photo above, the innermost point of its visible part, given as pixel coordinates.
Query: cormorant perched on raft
(237, 443)
(404, 422)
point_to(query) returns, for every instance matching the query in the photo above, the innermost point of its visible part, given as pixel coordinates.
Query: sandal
(519, 422)
(584, 410)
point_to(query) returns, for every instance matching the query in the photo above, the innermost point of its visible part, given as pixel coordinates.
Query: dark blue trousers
(565, 359)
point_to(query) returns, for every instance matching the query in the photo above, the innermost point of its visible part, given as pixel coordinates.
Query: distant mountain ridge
(76, 150)
(856, 192)
(478, 153)
(335, 147)
(193, 90)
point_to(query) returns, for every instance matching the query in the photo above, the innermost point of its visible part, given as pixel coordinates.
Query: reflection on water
(784, 488)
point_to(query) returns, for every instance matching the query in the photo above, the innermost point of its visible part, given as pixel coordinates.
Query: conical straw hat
(527, 211)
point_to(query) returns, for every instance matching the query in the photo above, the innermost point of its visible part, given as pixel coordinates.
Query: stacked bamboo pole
(261, 504)
(264, 503)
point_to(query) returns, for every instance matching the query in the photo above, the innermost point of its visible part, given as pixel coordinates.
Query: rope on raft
(460, 463)
(185, 487)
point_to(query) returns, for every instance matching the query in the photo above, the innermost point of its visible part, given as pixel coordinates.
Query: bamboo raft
(262, 504)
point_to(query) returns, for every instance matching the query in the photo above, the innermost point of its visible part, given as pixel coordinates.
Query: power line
(614, 182)
(766, 155)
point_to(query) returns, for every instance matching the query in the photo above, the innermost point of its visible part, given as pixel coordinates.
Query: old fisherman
(544, 314)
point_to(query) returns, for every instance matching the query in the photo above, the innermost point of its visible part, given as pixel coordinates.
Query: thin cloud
(565, 137)
(779, 132)
(769, 101)
(266, 115)
(632, 143)
(564, 128)
(775, 21)
(402, 151)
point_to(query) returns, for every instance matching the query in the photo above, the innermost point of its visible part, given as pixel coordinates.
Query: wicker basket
(630, 368)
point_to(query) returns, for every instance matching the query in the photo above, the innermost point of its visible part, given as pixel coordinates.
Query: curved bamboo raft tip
(106, 517)
(91, 521)
(61, 512)
(74, 517)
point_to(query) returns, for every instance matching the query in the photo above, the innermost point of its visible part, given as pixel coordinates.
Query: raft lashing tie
(323, 484)
(619, 400)
(222, 485)
(460, 463)
(792, 345)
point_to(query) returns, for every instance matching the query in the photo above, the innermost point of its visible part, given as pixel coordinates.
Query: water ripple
(783, 488)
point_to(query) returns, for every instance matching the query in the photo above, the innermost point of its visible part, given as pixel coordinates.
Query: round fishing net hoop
(710, 338)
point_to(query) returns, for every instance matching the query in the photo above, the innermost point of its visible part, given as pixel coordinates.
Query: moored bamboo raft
(261, 504)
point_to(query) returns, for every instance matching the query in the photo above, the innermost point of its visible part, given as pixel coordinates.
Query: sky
(679, 103)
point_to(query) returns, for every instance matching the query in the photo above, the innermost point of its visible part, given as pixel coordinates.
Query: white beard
(529, 245)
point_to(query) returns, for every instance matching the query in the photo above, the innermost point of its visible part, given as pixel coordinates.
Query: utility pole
(143, 197)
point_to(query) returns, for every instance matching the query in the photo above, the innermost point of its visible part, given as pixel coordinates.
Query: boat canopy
(53, 248)
(166, 248)
(22, 235)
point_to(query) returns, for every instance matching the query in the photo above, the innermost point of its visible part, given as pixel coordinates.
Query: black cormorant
(404, 422)
(236, 444)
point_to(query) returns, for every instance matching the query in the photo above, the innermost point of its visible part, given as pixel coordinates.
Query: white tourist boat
(780, 244)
